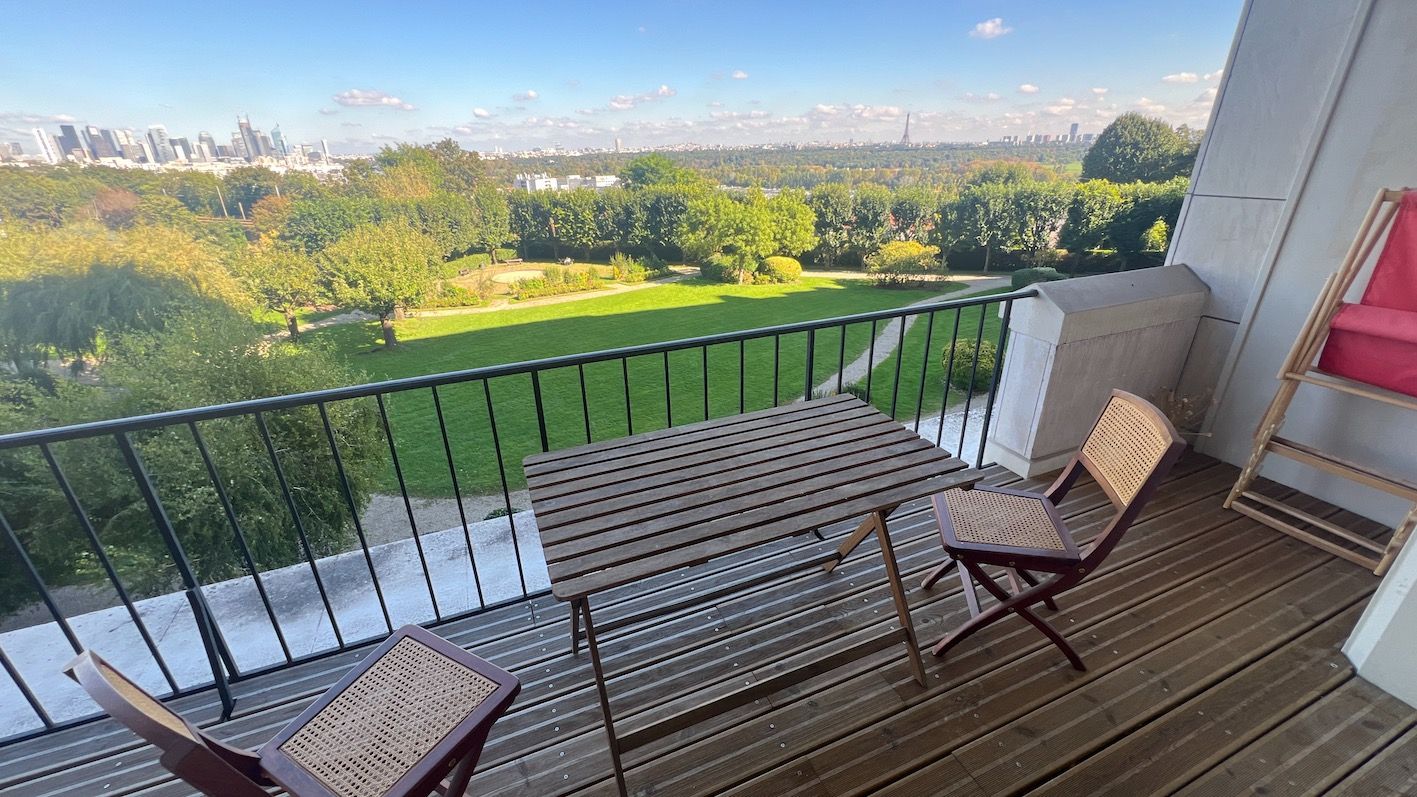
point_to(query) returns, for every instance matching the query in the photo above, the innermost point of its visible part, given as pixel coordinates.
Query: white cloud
(481, 113)
(366, 98)
(328, 111)
(1099, 91)
(1147, 105)
(624, 102)
(526, 96)
(1181, 77)
(990, 29)
(1216, 75)
(739, 74)
(1061, 106)
(1207, 96)
(1027, 88)
(970, 96)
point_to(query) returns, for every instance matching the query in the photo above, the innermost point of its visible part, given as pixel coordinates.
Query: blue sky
(529, 74)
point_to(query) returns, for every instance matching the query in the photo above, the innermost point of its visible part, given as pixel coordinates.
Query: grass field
(921, 364)
(668, 312)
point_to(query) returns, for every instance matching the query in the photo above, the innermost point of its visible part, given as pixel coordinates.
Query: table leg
(857, 537)
(575, 627)
(902, 608)
(604, 696)
(462, 773)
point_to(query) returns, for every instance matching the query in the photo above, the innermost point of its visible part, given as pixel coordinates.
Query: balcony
(1212, 643)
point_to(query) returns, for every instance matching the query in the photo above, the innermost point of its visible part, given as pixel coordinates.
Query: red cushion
(1394, 281)
(1373, 345)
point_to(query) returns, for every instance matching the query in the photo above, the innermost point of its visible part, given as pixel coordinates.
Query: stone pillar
(1386, 635)
(1079, 339)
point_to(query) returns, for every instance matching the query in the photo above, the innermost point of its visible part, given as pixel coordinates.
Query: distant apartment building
(543, 182)
(48, 149)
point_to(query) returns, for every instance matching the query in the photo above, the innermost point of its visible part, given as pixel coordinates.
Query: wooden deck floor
(1212, 642)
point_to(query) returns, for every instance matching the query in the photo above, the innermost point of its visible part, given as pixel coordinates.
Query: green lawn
(667, 312)
(916, 354)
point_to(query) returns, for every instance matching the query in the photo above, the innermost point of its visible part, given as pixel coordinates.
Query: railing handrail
(248, 406)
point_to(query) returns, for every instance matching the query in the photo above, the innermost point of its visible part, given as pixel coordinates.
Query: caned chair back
(1130, 449)
(206, 763)
(1126, 445)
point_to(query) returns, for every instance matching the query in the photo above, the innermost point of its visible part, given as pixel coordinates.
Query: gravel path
(887, 336)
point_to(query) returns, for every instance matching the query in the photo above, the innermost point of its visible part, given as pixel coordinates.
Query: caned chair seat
(1004, 527)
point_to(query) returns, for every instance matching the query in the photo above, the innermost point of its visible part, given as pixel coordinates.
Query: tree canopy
(1135, 147)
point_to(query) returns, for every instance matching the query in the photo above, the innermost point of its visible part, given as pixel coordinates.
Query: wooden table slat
(678, 435)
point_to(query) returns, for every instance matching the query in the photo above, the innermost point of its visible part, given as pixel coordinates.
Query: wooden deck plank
(1390, 773)
(1313, 750)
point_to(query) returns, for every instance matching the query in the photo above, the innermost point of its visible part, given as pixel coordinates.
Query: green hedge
(1027, 276)
(778, 269)
(963, 368)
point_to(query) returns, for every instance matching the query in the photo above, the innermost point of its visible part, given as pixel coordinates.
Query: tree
(1093, 206)
(529, 217)
(1145, 203)
(198, 360)
(1007, 172)
(1134, 147)
(655, 169)
(314, 224)
(870, 218)
(463, 171)
(380, 268)
(270, 215)
(831, 202)
(902, 262)
(985, 215)
(282, 278)
(1040, 210)
(793, 224)
(621, 218)
(247, 185)
(493, 219)
(666, 213)
(573, 220)
(117, 208)
(911, 213)
(740, 230)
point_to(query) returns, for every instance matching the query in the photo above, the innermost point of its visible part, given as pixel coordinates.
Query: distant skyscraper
(100, 144)
(46, 146)
(325, 148)
(182, 148)
(161, 144)
(1073, 132)
(205, 139)
(70, 145)
(617, 143)
(278, 142)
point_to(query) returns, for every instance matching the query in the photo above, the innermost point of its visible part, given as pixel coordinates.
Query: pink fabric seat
(1375, 341)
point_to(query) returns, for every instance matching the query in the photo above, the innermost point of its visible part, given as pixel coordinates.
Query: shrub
(656, 266)
(779, 269)
(718, 269)
(1155, 237)
(555, 281)
(627, 269)
(963, 373)
(453, 295)
(901, 263)
(1027, 276)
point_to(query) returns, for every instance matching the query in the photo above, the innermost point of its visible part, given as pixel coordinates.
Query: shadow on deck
(1212, 644)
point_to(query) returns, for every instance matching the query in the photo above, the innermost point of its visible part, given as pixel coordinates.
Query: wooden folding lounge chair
(1129, 451)
(410, 720)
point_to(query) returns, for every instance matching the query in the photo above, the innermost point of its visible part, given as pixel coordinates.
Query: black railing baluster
(924, 369)
(92, 535)
(841, 361)
(899, 361)
(218, 652)
(506, 493)
(354, 514)
(585, 401)
(973, 372)
(540, 409)
(949, 375)
(703, 353)
(811, 362)
(457, 487)
(299, 527)
(742, 385)
(668, 402)
(37, 581)
(776, 361)
(24, 688)
(870, 361)
(407, 504)
(994, 381)
(629, 412)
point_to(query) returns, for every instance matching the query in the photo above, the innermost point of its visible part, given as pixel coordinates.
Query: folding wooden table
(621, 511)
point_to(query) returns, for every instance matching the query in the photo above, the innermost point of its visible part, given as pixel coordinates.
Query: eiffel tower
(905, 139)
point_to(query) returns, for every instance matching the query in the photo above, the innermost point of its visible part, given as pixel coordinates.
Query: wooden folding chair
(1130, 449)
(411, 719)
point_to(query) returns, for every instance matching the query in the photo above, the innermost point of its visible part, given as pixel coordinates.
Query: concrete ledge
(1075, 342)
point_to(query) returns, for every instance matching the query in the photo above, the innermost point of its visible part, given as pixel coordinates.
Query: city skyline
(549, 74)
